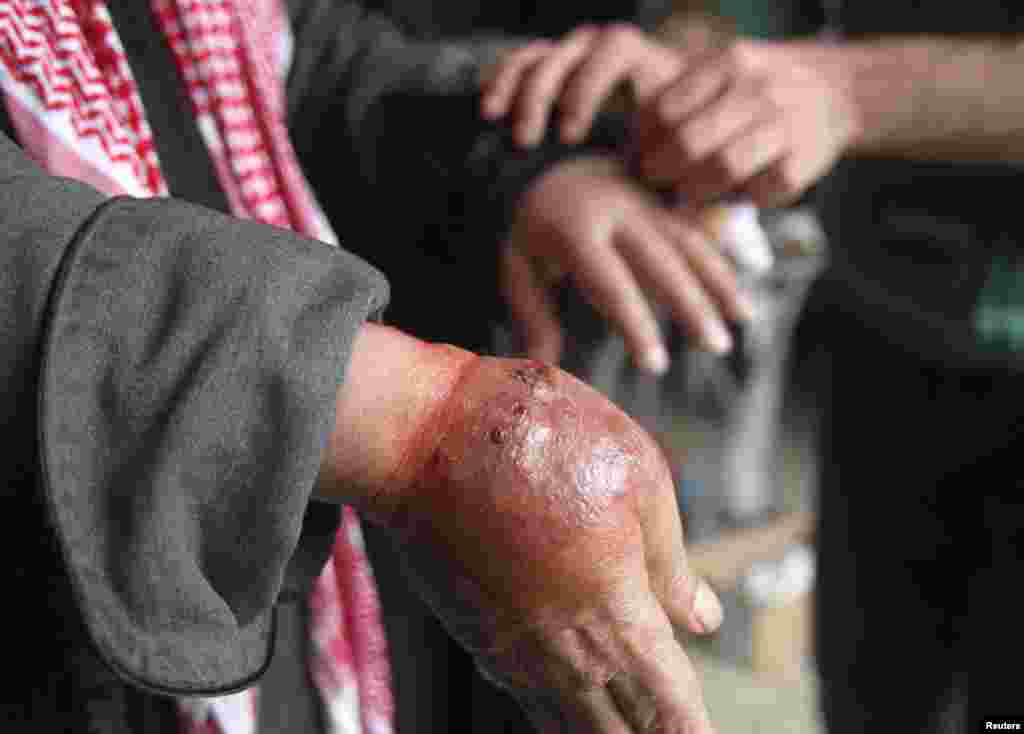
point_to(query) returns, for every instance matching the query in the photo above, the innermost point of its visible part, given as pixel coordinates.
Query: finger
(530, 306)
(712, 268)
(540, 88)
(709, 129)
(607, 283)
(699, 84)
(663, 157)
(709, 72)
(635, 704)
(648, 127)
(589, 88)
(752, 152)
(502, 81)
(660, 690)
(645, 134)
(620, 53)
(784, 180)
(687, 599)
(652, 257)
(594, 711)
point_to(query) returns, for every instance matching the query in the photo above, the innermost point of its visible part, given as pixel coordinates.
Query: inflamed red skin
(526, 461)
(541, 524)
(532, 503)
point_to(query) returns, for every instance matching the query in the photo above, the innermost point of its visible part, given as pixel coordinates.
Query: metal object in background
(753, 419)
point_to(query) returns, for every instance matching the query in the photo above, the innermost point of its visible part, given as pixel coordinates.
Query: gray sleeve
(184, 366)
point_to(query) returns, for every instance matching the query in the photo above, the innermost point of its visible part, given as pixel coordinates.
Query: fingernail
(718, 339)
(656, 360)
(572, 132)
(707, 607)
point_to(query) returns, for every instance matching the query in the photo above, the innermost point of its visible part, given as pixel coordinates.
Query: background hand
(758, 118)
(584, 218)
(577, 75)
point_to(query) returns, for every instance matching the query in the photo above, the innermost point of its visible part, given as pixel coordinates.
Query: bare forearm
(388, 409)
(931, 98)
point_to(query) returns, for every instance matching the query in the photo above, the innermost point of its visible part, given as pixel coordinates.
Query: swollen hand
(542, 525)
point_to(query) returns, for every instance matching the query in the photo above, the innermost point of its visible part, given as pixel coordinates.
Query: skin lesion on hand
(531, 462)
(532, 373)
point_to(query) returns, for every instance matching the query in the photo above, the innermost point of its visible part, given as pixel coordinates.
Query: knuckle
(741, 56)
(538, 88)
(688, 142)
(588, 675)
(668, 723)
(787, 179)
(693, 242)
(665, 109)
(580, 35)
(574, 101)
(772, 98)
(729, 163)
(767, 144)
(526, 52)
(583, 661)
(622, 35)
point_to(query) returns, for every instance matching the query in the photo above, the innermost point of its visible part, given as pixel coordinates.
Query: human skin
(742, 117)
(578, 73)
(586, 219)
(540, 523)
(622, 249)
(770, 118)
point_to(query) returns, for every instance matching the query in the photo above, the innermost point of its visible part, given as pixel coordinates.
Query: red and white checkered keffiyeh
(76, 109)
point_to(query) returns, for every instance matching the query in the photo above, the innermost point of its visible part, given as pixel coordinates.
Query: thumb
(689, 600)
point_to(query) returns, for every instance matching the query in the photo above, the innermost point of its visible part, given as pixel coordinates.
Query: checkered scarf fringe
(76, 110)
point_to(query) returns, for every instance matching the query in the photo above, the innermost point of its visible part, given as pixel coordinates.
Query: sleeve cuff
(189, 376)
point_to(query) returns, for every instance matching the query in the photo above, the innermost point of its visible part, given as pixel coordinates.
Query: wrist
(893, 91)
(845, 71)
(588, 164)
(390, 416)
(874, 78)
